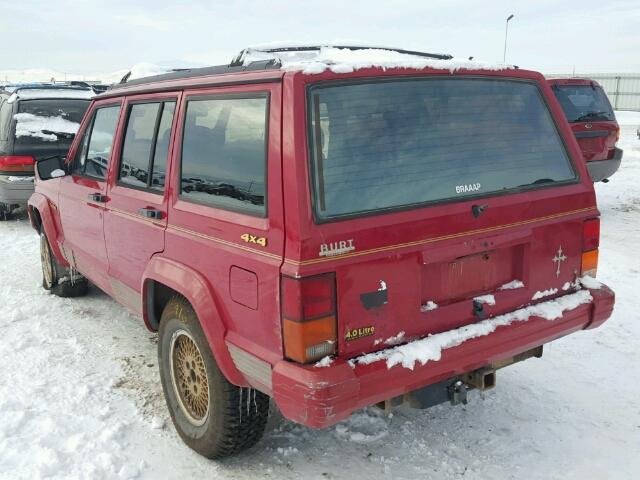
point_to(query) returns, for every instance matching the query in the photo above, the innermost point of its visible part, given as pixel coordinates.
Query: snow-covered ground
(80, 394)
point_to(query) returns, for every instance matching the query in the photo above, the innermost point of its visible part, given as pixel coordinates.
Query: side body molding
(195, 288)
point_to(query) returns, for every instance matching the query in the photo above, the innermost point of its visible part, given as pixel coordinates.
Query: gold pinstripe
(437, 239)
(363, 252)
(226, 242)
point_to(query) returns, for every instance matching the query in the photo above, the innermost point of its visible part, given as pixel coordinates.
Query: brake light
(309, 317)
(19, 163)
(590, 244)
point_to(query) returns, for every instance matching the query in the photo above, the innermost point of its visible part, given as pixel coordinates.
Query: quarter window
(224, 153)
(146, 144)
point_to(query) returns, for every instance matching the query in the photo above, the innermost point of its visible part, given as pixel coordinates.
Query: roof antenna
(126, 77)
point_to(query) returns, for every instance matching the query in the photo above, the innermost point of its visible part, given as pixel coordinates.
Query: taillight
(617, 134)
(16, 163)
(590, 244)
(309, 317)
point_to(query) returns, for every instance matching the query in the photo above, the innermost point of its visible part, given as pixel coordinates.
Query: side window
(146, 143)
(224, 153)
(101, 141)
(138, 141)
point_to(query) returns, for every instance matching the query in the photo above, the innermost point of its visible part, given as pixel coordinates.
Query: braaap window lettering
(471, 187)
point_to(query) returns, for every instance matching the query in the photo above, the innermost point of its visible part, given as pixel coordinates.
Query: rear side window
(224, 153)
(386, 145)
(146, 145)
(583, 103)
(94, 152)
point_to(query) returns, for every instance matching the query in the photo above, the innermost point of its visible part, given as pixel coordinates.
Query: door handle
(97, 197)
(149, 212)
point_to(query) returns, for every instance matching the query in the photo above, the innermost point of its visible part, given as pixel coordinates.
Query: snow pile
(343, 60)
(427, 307)
(37, 93)
(488, 299)
(512, 285)
(29, 125)
(430, 348)
(324, 362)
(590, 282)
(544, 293)
(394, 340)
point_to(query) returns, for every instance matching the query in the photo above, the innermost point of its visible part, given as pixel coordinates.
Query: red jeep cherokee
(329, 234)
(587, 108)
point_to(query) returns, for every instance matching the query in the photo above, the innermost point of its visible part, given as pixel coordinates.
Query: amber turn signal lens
(590, 263)
(311, 340)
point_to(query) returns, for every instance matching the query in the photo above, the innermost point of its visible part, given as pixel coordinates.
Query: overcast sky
(89, 36)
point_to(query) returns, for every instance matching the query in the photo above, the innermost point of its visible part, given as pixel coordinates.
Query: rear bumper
(602, 169)
(15, 192)
(321, 397)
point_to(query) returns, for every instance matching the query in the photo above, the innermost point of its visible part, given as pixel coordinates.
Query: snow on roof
(37, 93)
(343, 60)
(29, 125)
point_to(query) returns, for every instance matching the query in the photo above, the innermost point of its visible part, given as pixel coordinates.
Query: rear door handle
(97, 197)
(149, 212)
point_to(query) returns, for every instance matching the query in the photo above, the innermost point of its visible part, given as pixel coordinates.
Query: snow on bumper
(321, 397)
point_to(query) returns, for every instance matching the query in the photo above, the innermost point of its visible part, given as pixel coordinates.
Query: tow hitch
(455, 390)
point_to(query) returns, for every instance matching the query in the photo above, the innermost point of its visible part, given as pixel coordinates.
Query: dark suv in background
(593, 122)
(36, 121)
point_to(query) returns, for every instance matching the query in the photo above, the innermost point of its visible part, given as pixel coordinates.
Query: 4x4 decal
(247, 237)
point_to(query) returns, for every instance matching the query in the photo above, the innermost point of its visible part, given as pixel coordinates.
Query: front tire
(212, 416)
(56, 278)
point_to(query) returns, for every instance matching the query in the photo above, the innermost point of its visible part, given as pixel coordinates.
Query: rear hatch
(46, 127)
(592, 119)
(439, 202)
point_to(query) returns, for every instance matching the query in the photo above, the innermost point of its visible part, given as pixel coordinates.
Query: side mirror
(51, 167)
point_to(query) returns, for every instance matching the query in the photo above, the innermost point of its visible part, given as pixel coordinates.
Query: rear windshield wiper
(539, 181)
(589, 115)
(66, 135)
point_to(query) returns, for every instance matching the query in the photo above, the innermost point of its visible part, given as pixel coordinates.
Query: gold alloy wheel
(45, 258)
(189, 377)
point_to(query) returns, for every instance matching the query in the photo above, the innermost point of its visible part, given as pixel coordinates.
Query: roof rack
(239, 59)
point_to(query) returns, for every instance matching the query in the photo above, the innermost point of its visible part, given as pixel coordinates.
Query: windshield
(49, 120)
(582, 103)
(394, 144)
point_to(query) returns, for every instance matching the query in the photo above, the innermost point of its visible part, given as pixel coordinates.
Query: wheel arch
(41, 218)
(165, 278)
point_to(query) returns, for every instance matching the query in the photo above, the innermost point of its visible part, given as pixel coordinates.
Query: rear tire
(212, 416)
(56, 278)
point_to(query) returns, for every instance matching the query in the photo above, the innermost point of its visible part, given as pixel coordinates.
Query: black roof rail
(177, 74)
(238, 60)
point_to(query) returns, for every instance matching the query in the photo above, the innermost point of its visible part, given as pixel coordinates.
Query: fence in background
(623, 89)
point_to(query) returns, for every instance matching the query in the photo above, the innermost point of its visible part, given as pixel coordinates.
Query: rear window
(48, 120)
(583, 103)
(387, 145)
(224, 153)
